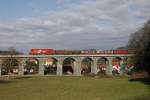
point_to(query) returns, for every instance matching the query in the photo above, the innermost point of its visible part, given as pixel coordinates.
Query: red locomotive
(42, 51)
(67, 52)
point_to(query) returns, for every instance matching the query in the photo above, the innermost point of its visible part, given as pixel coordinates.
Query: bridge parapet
(45, 56)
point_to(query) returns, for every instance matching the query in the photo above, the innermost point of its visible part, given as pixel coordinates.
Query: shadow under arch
(116, 61)
(68, 66)
(102, 64)
(31, 66)
(86, 65)
(50, 66)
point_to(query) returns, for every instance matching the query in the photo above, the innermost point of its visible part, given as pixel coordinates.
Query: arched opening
(10, 66)
(68, 66)
(86, 66)
(50, 67)
(31, 66)
(116, 65)
(102, 65)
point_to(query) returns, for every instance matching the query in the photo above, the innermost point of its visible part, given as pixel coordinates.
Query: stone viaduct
(77, 62)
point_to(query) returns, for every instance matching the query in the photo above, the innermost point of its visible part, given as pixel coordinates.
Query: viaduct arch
(76, 67)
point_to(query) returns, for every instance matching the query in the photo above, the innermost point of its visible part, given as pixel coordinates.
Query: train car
(67, 52)
(120, 52)
(131, 51)
(59, 51)
(42, 51)
(89, 51)
(104, 51)
(76, 51)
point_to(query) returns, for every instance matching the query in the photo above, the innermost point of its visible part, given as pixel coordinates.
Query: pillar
(0, 67)
(109, 66)
(59, 67)
(94, 66)
(122, 66)
(41, 66)
(77, 67)
(21, 66)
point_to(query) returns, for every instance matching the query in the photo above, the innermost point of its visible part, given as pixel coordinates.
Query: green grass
(73, 88)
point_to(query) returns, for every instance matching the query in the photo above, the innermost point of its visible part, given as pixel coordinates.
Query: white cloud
(63, 1)
(91, 24)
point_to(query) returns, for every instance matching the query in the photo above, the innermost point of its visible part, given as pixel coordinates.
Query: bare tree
(10, 62)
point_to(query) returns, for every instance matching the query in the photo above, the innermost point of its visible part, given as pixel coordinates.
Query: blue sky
(13, 9)
(70, 24)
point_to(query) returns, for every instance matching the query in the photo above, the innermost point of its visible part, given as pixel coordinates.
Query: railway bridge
(76, 62)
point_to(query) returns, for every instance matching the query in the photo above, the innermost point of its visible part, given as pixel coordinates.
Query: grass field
(73, 88)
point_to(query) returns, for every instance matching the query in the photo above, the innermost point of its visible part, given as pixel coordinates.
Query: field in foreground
(73, 88)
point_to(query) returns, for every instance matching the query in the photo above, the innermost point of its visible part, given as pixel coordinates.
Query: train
(71, 52)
